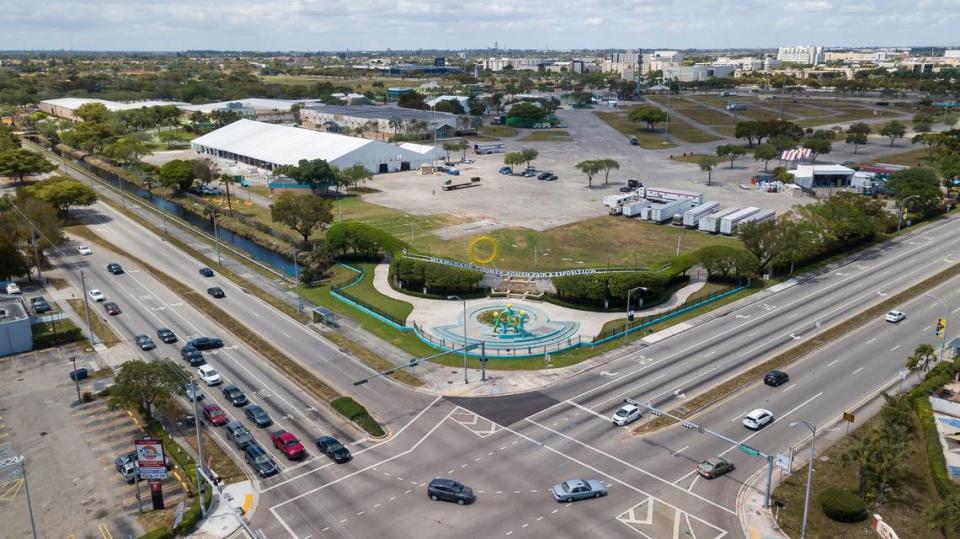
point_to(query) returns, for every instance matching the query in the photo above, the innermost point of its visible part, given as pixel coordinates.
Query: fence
(341, 293)
(518, 352)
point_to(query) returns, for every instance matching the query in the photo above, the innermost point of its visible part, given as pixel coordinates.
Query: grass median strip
(104, 333)
(288, 366)
(735, 384)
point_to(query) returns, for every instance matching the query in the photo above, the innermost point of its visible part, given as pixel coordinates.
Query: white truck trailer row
(711, 223)
(691, 218)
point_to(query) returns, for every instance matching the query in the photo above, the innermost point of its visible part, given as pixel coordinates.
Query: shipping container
(691, 218)
(665, 212)
(728, 224)
(711, 223)
(665, 195)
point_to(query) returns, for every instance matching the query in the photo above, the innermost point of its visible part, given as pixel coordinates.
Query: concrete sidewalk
(223, 518)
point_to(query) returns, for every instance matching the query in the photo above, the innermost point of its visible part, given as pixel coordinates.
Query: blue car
(506, 170)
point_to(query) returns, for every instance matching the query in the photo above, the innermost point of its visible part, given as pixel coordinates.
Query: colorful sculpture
(510, 322)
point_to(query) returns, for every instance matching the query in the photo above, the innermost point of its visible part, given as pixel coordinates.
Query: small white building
(16, 334)
(810, 176)
(698, 72)
(269, 146)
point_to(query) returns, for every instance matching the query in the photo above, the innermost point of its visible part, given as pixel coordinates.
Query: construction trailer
(633, 209)
(613, 201)
(711, 223)
(663, 194)
(728, 223)
(691, 217)
(662, 213)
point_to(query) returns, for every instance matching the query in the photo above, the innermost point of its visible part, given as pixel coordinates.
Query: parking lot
(75, 488)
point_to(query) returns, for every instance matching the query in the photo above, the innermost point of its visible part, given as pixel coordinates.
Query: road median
(754, 374)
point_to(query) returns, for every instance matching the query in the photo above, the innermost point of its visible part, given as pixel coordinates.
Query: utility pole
(163, 213)
(86, 309)
(196, 425)
(626, 322)
(76, 378)
(26, 489)
(216, 237)
(36, 253)
(296, 271)
(483, 361)
(465, 342)
(813, 457)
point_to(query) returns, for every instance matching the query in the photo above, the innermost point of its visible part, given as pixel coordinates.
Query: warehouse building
(384, 122)
(269, 146)
(698, 72)
(810, 176)
(64, 107)
(16, 334)
(263, 110)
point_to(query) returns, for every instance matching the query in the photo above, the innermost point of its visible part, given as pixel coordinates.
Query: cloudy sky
(410, 24)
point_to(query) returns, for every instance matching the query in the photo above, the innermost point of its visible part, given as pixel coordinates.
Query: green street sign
(749, 450)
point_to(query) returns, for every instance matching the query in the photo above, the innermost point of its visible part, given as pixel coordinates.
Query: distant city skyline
(376, 25)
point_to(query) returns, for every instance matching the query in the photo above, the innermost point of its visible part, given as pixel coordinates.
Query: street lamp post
(900, 213)
(216, 235)
(86, 309)
(813, 457)
(626, 322)
(458, 298)
(296, 276)
(76, 378)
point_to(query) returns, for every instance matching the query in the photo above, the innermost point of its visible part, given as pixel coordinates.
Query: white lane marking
(678, 451)
(631, 390)
(801, 405)
(856, 371)
(788, 388)
(895, 347)
(832, 363)
(710, 353)
(588, 410)
(871, 340)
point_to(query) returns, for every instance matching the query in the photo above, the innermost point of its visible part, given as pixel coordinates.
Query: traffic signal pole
(753, 452)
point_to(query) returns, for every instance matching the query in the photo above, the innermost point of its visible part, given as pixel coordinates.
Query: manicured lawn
(692, 158)
(912, 493)
(546, 135)
(909, 158)
(365, 291)
(650, 140)
(589, 243)
(498, 131)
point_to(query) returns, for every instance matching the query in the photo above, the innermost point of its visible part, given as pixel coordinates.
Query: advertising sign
(150, 459)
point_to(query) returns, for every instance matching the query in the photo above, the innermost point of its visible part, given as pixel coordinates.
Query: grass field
(913, 492)
(358, 84)
(650, 140)
(909, 158)
(498, 131)
(593, 242)
(366, 291)
(692, 158)
(548, 135)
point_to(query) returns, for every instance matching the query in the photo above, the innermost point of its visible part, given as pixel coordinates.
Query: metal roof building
(64, 107)
(16, 335)
(269, 146)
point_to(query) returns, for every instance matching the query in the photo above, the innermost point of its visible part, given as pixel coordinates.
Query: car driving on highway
(145, 342)
(209, 375)
(332, 448)
(578, 489)
(288, 444)
(895, 316)
(192, 356)
(259, 460)
(628, 413)
(235, 395)
(715, 467)
(449, 490)
(84, 250)
(166, 335)
(757, 419)
(112, 308)
(216, 292)
(205, 343)
(258, 415)
(96, 295)
(114, 268)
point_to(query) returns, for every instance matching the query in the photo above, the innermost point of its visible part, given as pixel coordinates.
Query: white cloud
(448, 24)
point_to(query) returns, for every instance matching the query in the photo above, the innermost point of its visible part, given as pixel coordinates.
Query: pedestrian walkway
(226, 510)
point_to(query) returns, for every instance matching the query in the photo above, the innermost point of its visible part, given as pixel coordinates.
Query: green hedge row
(610, 289)
(159, 533)
(935, 379)
(358, 414)
(46, 340)
(362, 240)
(440, 279)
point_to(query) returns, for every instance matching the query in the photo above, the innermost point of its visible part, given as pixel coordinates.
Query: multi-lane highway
(512, 449)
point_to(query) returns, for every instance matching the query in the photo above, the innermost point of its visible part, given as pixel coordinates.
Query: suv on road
(757, 419)
(215, 415)
(776, 378)
(235, 395)
(628, 413)
(96, 295)
(192, 356)
(288, 444)
(258, 415)
(166, 335)
(114, 268)
(449, 490)
(239, 434)
(145, 342)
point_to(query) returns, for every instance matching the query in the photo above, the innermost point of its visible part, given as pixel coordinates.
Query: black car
(206, 272)
(260, 460)
(449, 490)
(235, 395)
(543, 175)
(216, 292)
(114, 268)
(332, 448)
(192, 355)
(166, 335)
(112, 308)
(145, 342)
(776, 378)
(551, 178)
(40, 305)
(205, 343)
(258, 415)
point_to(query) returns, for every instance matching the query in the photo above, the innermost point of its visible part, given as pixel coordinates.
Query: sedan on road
(206, 272)
(260, 460)
(715, 467)
(114, 268)
(166, 335)
(332, 448)
(776, 378)
(96, 295)
(205, 343)
(209, 375)
(628, 413)
(145, 342)
(235, 395)
(216, 292)
(895, 316)
(112, 308)
(192, 356)
(215, 415)
(757, 419)
(84, 250)
(449, 490)
(258, 415)
(578, 489)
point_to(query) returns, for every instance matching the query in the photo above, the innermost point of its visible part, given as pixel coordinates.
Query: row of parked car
(530, 172)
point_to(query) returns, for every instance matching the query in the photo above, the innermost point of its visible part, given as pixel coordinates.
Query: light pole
(946, 320)
(216, 234)
(458, 298)
(197, 423)
(86, 309)
(813, 457)
(626, 322)
(163, 213)
(296, 276)
(76, 378)
(900, 213)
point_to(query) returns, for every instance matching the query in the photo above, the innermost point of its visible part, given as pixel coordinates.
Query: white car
(84, 250)
(209, 375)
(757, 419)
(96, 295)
(12, 288)
(628, 413)
(895, 316)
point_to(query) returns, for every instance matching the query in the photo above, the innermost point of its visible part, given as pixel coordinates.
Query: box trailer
(645, 213)
(691, 218)
(665, 212)
(760, 216)
(484, 149)
(612, 201)
(633, 209)
(728, 224)
(711, 223)
(665, 195)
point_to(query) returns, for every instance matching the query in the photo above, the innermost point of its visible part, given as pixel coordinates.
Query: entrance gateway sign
(520, 274)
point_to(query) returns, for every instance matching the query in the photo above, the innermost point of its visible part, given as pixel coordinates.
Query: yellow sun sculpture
(481, 244)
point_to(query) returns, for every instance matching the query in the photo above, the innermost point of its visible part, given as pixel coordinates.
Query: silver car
(578, 489)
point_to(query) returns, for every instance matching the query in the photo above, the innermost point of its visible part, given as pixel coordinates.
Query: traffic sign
(784, 462)
(179, 515)
(848, 417)
(749, 450)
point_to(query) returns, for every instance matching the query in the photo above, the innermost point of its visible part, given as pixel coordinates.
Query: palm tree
(608, 165)
(914, 363)
(396, 124)
(927, 355)
(861, 455)
(227, 180)
(944, 517)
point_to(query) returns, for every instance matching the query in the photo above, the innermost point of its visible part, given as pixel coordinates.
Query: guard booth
(322, 315)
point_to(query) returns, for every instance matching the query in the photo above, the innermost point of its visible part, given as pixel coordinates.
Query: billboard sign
(150, 459)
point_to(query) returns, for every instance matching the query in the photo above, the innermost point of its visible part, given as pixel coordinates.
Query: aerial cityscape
(387, 270)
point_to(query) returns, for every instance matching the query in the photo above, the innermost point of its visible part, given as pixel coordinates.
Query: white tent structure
(269, 146)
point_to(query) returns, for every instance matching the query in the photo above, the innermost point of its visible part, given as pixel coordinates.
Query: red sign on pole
(150, 459)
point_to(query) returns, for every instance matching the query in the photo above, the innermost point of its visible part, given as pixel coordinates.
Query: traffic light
(941, 327)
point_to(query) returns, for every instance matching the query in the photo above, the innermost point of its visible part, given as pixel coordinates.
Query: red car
(215, 415)
(288, 444)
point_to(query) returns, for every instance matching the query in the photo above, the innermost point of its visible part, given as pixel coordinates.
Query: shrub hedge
(842, 505)
(610, 289)
(362, 239)
(413, 274)
(159, 533)
(358, 414)
(46, 340)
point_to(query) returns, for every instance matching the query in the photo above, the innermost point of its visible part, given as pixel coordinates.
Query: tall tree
(731, 152)
(21, 163)
(176, 174)
(92, 112)
(529, 155)
(512, 159)
(857, 139)
(818, 146)
(63, 192)
(204, 170)
(706, 163)
(315, 173)
(147, 386)
(765, 152)
(354, 174)
(922, 122)
(920, 185)
(747, 129)
(893, 130)
(303, 213)
(606, 165)
(647, 114)
(589, 167)
(945, 516)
